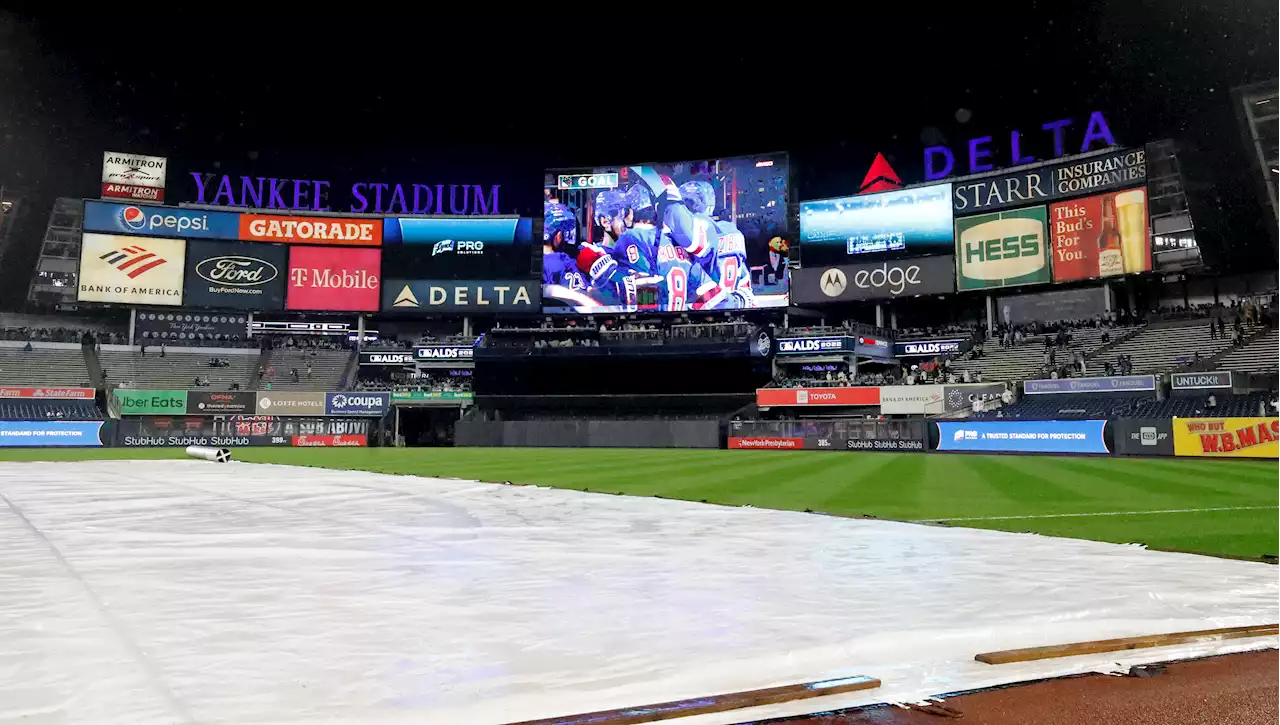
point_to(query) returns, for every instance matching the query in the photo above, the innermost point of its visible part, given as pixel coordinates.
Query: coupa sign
(356, 403)
(366, 197)
(978, 156)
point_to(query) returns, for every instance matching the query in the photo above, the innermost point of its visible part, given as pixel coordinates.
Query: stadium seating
(327, 367)
(178, 369)
(44, 365)
(1072, 407)
(1164, 348)
(1024, 361)
(1196, 406)
(1259, 356)
(49, 410)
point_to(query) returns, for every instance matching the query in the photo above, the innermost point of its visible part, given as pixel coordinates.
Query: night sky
(433, 100)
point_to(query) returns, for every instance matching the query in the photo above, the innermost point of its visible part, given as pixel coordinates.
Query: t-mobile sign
(332, 279)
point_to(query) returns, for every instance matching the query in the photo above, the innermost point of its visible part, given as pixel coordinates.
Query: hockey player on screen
(560, 233)
(725, 255)
(675, 281)
(612, 215)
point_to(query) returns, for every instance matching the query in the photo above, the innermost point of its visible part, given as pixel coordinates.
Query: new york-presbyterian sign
(366, 197)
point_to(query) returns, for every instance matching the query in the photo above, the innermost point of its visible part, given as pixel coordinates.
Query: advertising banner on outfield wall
(8, 392)
(364, 403)
(236, 430)
(50, 433)
(220, 403)
(1143, 436)
(271, 402)
(1113, 384)
(1202, 381)
(150, 402)
(767, 397)
(1226, 437)
(863, 444)
(330, 441)
(766, 443)
(1023, 436)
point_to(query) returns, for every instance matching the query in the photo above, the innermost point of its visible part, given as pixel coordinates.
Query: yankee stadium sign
(366, 197)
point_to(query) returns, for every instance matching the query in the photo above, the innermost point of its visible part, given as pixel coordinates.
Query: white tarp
(184, 591)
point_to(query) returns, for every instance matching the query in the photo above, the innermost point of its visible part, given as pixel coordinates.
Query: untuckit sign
(1201, 381)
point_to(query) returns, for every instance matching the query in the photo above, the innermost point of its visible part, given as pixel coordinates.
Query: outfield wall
(589, 433)
(1198, 437)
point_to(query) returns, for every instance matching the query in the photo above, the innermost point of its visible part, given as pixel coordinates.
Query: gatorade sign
(1003, 249)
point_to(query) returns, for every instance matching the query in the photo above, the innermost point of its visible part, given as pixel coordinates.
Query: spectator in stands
(142, 348)
(1211, 403)
(27, 347)
(162, 349)
(309, 370)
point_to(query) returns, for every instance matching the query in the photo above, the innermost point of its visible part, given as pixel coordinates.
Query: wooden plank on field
(715, 703)
(1125, 643)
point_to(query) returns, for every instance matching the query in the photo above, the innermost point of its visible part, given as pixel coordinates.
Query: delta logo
(134, 260)
(880, 177)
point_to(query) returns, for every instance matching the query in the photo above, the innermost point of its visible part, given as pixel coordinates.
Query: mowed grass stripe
(1021, 482)
(1156, 488)
(887, 490)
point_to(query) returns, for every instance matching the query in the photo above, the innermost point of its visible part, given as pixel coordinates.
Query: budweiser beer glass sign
(341, 280)
(1100, 236)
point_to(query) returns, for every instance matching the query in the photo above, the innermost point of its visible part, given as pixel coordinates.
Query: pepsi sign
(159, 221)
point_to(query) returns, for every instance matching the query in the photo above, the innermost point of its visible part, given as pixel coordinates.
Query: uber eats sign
(1002, 249)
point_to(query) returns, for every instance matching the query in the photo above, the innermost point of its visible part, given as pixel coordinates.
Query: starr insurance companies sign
(133, 176)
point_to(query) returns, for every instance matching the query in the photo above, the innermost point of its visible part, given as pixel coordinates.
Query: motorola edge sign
(875, 281)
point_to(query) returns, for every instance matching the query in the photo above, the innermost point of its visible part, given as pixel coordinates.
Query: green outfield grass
(908, 486)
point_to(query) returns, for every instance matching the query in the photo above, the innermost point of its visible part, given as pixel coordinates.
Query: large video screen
(458, 248)
(900, 223)
(694, 235)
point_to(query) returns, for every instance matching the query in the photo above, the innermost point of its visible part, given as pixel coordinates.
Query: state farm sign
(311, 230)
(333, 279)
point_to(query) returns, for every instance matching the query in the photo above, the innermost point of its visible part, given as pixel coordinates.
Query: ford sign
(237, 271)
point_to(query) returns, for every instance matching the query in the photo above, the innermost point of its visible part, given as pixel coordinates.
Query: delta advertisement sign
(1226, 437)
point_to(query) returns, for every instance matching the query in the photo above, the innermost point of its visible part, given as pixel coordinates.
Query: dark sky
(398, 97)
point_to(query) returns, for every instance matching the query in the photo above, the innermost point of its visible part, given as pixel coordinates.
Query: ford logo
(237, 271)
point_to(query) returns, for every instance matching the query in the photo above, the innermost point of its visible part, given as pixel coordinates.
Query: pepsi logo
(133, 218)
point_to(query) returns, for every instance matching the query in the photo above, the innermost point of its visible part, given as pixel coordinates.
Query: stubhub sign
(1023, 436)
(152, 220)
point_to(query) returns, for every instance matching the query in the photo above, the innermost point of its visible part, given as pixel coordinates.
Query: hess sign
(587, 181)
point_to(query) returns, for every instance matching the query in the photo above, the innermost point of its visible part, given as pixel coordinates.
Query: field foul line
(1099, 513)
